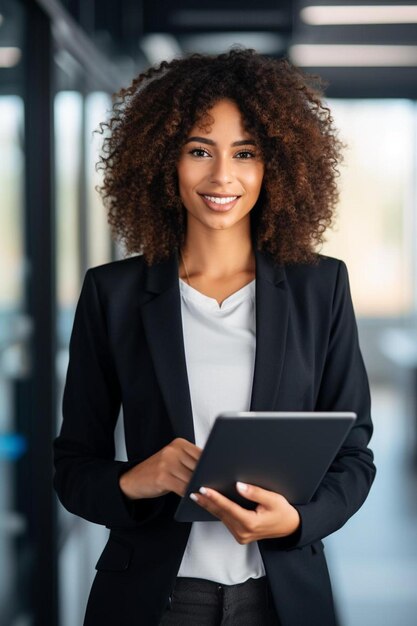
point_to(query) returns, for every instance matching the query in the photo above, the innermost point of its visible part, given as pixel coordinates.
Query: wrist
(294, 522)
(297, 520)
(125, 486)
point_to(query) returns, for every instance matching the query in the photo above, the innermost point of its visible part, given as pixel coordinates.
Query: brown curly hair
(281, 107)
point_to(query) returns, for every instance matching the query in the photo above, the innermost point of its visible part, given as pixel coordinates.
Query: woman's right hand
(170, 469)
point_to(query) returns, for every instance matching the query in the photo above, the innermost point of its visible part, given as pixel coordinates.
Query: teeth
(221, 200)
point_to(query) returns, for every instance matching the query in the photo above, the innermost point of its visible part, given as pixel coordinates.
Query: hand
(273, 517)
(170, 469)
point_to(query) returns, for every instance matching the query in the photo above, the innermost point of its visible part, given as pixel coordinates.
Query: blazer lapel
(271, 332)
(161, 315)
(163, 326)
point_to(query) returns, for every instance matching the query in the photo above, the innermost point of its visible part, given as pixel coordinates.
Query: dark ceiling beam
(187, 16)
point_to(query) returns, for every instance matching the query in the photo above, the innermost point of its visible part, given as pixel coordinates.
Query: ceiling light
(9, 56)
(212, 43)
(366, 14)
(323, 55)
(158, 47)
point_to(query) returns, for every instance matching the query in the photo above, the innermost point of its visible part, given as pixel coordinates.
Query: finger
(191, 449)
(188, 463)
(188, 460)
(220, 506)
(194, 457)
(257, 494)
(178, 486)
(181, 474)
(205, 503)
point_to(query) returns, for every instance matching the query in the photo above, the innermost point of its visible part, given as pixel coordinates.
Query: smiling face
(220, 172)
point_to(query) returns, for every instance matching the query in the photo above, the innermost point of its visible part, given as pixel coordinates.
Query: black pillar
(39, 501)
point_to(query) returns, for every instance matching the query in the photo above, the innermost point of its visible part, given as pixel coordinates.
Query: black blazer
(127, 349)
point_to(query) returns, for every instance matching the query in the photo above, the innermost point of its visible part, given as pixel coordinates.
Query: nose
(221, 170)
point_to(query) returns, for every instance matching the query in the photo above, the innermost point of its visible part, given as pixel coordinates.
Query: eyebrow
(210, 142)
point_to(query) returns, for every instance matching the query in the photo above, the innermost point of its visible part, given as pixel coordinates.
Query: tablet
(285, 452)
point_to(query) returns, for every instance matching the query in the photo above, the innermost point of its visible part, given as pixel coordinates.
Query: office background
(59, 64)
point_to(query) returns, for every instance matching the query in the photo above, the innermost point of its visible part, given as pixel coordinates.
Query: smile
(219, 203)
(221, 200)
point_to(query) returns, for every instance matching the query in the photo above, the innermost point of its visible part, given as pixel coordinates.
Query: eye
(198, 152)
(247, 154)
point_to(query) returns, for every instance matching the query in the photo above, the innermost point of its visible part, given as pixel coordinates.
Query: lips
(219, 203)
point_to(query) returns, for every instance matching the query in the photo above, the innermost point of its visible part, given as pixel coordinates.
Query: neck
(218, 254)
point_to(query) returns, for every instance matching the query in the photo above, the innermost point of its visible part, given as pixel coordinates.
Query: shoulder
(116, 279)
(318, 284)
(325, 269)
(113, 273)
(324, 265)
(116, 270)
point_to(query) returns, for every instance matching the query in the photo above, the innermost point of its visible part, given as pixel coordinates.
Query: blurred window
(375, 230)
(11, 201)
(67, 112)
(76, 153)
(15, 329)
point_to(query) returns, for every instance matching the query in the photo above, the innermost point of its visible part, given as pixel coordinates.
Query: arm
(344, 386)
(87, 476)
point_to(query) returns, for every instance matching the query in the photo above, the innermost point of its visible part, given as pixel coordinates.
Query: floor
(373, 558)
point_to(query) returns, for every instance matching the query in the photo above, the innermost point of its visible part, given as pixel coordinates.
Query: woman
(221, 172)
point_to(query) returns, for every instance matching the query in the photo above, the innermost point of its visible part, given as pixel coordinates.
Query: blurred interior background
(59, 64)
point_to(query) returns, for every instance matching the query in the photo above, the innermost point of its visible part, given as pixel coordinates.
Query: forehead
(224, 117)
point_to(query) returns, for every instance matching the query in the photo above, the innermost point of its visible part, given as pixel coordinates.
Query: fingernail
(203, 490)
(242, 486)
(194, 497)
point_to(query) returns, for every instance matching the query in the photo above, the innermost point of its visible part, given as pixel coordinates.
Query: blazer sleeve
(344, 386)
(86, 473)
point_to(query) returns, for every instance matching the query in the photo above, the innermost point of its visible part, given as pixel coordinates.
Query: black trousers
(199, 602)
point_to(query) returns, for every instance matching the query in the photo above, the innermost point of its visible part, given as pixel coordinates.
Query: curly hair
(281, 107)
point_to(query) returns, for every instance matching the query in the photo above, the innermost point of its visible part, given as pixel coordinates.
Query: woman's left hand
(273, 517)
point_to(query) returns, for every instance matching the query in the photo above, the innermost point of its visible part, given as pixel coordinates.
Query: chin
(221, 223)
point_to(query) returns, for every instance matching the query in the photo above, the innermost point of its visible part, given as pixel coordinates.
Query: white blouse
(220, 346)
